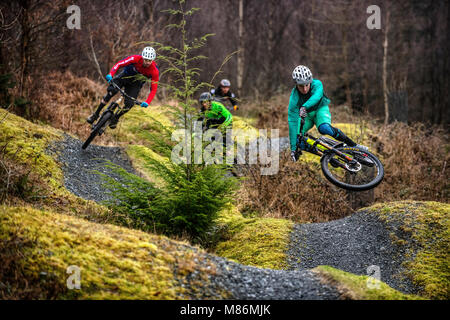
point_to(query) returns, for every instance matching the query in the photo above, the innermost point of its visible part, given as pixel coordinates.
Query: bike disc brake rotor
(353, 166)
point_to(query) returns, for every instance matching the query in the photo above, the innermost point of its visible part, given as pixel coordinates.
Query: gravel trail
(351, 244)
(79, 166)
(241, 282)
(251, 283)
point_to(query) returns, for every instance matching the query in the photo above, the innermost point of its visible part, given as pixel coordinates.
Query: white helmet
(149, 53)
(302, 75)
(225, 83)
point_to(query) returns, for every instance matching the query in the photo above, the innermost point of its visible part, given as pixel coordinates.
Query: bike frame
(123, 93)
(116, 104)
(349, 159)
(99, 127)
(317, 144)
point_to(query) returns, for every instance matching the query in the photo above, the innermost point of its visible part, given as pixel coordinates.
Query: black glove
(294, 156)
(302, 112)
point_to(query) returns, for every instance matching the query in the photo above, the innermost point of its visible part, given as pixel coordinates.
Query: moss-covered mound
(259, 242)
(360, 287)
(138, 125)
(33, 170)
(115, 262)
(26, 142)
(423, 228)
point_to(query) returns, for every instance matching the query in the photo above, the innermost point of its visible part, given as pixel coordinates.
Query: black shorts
(131, 86)
(214, 123)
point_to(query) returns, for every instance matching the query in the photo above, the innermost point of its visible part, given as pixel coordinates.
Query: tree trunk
(348, 91)
(311, 39)
(148, 12)
(240, 63)
(24, 46)
(270, 85)
(445, 118)
(385, 56)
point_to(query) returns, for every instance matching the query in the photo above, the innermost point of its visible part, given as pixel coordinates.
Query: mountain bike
(350, 168)
(111, 111)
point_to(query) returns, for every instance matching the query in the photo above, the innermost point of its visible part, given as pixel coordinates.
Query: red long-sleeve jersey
(150, 72)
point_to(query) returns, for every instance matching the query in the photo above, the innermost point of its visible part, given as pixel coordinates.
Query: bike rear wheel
(363, 174)
(100, 124)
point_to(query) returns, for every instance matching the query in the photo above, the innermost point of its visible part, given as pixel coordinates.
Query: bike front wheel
(364, 173)
(100, 124)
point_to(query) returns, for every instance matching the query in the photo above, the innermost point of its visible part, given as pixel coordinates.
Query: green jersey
(219, 111)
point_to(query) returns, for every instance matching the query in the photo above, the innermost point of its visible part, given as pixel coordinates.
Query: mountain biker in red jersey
(129, 79)
(308, 100)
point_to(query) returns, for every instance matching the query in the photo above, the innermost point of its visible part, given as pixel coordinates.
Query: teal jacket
(218, 111)
(314, 99)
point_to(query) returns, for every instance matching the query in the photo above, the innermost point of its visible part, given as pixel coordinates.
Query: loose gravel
(352, 244)
(80, 166)
(251, 283)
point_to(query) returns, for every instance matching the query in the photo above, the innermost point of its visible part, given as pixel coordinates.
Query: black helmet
(205, 96)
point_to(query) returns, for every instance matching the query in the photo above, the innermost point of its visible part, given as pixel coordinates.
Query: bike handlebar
(124, 94)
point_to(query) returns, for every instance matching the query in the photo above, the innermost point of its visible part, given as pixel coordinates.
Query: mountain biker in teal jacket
(309, 100)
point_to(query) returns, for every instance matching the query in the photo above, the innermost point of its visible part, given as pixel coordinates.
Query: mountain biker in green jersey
(309, 100)
(215, 114)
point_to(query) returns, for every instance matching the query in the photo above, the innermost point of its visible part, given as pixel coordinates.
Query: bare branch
(99, 70)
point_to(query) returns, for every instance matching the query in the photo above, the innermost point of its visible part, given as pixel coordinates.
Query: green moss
(115, 262)
(259, 242)
(26, 143)
(427, 225)
(360, 287)
(138, 124)
(139, 155)
(244, 125)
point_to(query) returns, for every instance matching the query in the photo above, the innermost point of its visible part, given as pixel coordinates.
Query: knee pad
(326, 128)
